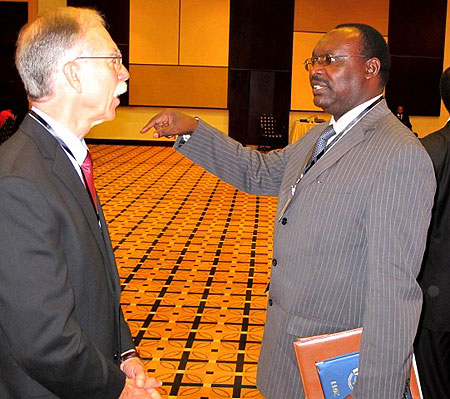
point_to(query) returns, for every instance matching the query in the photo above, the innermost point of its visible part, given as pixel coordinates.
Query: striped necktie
(320, 146)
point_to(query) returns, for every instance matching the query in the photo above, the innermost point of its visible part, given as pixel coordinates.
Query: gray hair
(48, 40)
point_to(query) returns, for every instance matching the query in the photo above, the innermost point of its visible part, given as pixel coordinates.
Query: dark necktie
(321, 142)
(87, 169)
(320, 146)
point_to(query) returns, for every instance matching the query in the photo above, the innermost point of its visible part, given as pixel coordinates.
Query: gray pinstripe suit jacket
(350, 250)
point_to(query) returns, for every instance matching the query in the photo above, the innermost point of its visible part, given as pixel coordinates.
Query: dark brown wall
(260, 63)
(12, 94)
(416, 41)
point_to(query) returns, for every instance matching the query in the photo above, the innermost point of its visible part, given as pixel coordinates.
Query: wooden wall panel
(324, 15)
(301, 95)
(204, 32)
(178, 86)
(154, 31)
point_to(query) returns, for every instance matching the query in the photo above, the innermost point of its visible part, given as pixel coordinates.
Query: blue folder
(338, 375)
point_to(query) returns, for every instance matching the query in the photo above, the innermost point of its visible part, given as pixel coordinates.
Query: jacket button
(274, 262)
(270, 302)
(283, 221)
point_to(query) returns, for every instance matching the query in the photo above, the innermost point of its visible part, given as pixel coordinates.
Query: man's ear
(71, 72)
(373, 66)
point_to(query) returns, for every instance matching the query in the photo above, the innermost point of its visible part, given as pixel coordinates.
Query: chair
(7, 129)
(269, 137)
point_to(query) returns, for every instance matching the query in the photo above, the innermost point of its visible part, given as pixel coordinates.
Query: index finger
(151, 123)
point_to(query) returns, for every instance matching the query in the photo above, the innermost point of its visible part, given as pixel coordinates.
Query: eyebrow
(116, 52)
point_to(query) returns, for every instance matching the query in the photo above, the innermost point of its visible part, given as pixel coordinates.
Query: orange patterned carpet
(193, 255)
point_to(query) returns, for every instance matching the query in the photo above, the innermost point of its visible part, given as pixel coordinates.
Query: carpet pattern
(194, 259)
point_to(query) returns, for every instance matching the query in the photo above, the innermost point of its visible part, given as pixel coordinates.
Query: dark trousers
(432, 350)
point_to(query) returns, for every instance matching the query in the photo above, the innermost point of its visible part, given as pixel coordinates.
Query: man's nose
(123, 73)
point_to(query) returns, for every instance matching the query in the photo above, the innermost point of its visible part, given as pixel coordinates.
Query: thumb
(140, 379)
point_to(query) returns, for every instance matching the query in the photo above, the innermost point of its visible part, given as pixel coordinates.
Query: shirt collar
(345, 119)
(78, 147)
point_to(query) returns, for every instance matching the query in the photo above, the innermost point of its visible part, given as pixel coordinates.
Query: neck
(65, 115)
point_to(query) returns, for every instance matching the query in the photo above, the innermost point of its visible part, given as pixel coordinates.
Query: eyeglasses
(325, 60)
(116, 60)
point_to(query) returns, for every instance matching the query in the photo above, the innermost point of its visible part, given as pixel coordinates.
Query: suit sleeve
(398, 216)
(246, 169)
(37, 301)
(125, 334)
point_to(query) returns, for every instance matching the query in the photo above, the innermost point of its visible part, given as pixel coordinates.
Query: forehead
(339, 41)
(100, 40)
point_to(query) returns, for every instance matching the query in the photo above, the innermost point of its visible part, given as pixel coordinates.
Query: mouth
(318, 85)
(121, 88)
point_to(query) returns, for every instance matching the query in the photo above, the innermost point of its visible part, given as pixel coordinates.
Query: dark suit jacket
(435, 275)
(61, 326)
(349, 250)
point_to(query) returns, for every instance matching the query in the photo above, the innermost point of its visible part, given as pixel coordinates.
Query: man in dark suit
(62, 331)
(403, 116)
(433, 338)
(347, 250)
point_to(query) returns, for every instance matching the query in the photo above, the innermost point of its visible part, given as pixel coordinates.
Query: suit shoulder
(395, 134)
(438, 139)
(20, 156)
(437, 145)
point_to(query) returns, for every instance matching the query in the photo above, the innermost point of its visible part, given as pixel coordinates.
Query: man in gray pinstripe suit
(348, 247)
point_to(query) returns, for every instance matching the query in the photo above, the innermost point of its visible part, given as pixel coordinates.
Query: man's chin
(104, 119)
(96, 123)
(318, 101)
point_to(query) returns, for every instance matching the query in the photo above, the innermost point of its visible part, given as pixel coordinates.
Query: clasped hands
(170, 123)
(138, 385)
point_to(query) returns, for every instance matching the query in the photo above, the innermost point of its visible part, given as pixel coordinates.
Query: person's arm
(170, 123)
(244, 168)
(37, 301)
(398, 216)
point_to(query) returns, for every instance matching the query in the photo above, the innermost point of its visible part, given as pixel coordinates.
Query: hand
(348, 397)
(131, 391)
(170, 123)
(137, 378)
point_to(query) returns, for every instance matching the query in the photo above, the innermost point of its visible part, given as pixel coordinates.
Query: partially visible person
(5, 115)
(403, 116)
(433, 338)
(62, 330)
(347, 250)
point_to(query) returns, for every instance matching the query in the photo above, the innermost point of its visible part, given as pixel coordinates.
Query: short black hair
(444, 86)
(374, 45)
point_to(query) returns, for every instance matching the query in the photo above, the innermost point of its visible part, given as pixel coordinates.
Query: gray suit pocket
(305, 326)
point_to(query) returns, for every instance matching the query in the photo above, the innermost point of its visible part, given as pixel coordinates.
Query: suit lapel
(66, 174)
(352, 138)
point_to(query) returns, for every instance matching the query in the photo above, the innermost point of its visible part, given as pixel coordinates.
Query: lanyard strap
(44, 123)
(308, 164)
